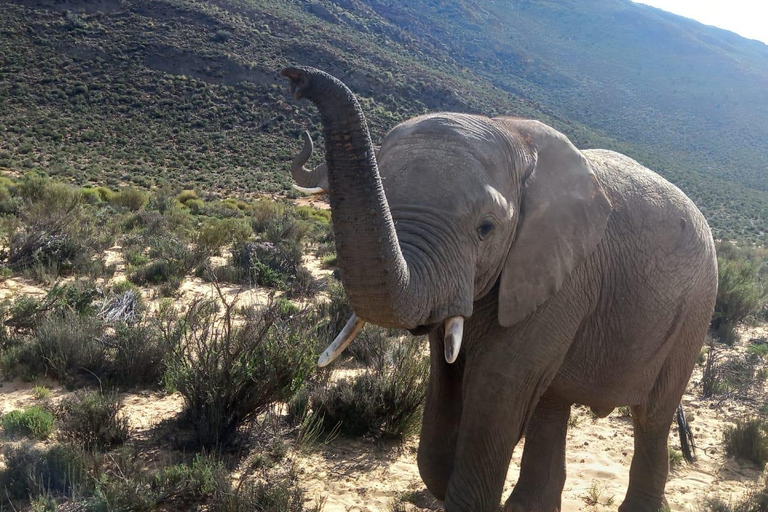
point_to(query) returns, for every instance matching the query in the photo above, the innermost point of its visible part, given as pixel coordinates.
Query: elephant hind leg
(652, 419)
(542, 473)
(650, 463)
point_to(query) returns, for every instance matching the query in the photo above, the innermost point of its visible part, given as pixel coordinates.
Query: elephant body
(544, 275)
(625, 329)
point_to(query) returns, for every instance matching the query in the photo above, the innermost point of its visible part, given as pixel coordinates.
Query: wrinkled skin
(582, 276)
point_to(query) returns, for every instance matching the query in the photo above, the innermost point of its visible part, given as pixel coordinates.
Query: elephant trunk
(309, 181)
(380, 286)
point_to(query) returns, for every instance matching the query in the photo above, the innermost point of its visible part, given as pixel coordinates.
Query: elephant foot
(632, 504)
(532, 502)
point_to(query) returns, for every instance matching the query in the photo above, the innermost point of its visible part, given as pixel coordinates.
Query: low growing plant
(34, 422)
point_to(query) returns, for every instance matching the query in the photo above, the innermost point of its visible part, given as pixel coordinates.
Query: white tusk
(454, 330)
(342, 341)
(311, 191)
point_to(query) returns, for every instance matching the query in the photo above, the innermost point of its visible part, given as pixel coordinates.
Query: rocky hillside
(188, 92)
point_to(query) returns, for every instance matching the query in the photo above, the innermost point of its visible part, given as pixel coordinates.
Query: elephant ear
(563, 218)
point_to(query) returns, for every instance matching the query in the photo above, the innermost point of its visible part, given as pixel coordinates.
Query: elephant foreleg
(440, 423)
(542, 473)
(492, 423)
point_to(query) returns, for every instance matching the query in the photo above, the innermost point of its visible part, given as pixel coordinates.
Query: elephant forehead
(450, 184)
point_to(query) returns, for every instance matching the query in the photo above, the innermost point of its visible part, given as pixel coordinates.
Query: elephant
(544, 275)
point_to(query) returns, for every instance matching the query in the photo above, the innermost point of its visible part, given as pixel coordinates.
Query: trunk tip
(298, 79)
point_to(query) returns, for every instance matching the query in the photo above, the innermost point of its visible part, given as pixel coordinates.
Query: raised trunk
(306, 178)
(376, 278)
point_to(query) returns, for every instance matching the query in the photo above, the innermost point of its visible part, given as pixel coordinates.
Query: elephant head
(313, 181)
(456, 206)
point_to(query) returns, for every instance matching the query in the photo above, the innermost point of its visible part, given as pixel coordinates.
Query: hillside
(187, 91)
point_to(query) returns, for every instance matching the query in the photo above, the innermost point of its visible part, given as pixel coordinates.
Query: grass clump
(92, 419)
(748, 440)
(230, 369)
(34, 422)
(41, 392)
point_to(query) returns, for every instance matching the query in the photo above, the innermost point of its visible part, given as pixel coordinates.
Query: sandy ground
(362, 476)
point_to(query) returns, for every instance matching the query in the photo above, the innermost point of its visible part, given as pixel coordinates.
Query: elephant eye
(485, 228)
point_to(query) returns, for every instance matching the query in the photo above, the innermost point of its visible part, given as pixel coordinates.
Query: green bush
(31, 471)
(91, 419)
(385, 400)
(748, 440)
(231, 369)
(34, 422)
(202, 484)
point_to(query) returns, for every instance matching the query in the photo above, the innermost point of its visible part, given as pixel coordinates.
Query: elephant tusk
(454, 330)
(342, 341)
(311, 191)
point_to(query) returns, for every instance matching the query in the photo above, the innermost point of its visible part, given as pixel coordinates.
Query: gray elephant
(544, 275)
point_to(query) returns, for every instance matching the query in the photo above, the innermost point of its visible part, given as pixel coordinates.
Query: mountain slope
(188, 92)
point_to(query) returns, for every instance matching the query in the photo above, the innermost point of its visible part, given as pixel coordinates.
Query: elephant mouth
(424, 329)
(454, 331)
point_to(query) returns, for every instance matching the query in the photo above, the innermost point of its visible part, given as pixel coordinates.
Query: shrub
(190, 483)
(91, 195)
(228, 372)
(91, 419)
(273, 492)
(130, 198)
(34, 422)
(676, 459)
(70, 343)
(748, 440)
(57, 235)
(737, 375)
(215, 233)
(740, 292)
(385, 400)
(173, 259)
(138, 355)
(186, 195)
(31, 471)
